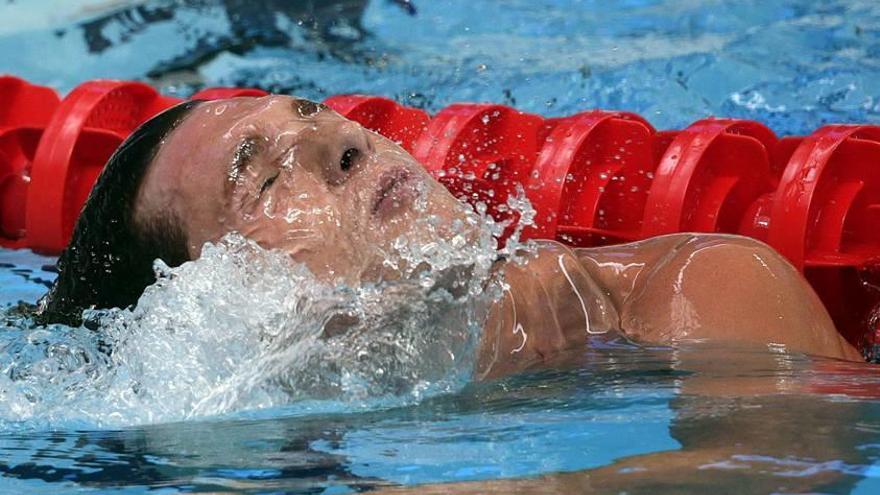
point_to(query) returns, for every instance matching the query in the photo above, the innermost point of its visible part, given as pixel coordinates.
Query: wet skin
(675, 288)
(296, 176)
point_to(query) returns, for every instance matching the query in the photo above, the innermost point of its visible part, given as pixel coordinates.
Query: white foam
(242, 328)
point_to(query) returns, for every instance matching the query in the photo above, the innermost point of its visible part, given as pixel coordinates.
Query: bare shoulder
(714, 286)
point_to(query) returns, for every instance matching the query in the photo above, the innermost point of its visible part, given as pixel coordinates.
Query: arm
(713, 287)
(683, 287)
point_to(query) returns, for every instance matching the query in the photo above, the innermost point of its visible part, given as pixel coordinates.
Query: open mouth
(396, 188)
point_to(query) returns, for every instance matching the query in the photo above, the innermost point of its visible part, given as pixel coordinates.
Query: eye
(268, 183)
(348, 159)
(244, 153)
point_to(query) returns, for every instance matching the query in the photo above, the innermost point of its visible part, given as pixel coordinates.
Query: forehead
(213, 128)
(191, 157)
(194, 157)
(221, 117)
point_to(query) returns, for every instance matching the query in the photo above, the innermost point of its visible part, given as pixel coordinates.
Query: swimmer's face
(296, 176)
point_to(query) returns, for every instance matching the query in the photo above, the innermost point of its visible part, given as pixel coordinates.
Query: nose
(343, 148)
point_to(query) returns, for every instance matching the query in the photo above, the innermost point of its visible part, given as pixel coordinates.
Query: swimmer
(295, 176)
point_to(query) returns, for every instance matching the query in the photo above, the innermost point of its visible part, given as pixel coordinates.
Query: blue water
(783, 423)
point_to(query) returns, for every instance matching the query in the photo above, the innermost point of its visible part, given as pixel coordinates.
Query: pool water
(614, 417)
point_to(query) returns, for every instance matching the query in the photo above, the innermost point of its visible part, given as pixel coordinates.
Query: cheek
(314, 230)
(283, 221)
(295, 200)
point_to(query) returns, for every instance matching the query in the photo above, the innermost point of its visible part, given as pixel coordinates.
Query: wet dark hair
(109, 260)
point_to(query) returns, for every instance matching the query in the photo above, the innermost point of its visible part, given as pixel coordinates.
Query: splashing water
(243, 328)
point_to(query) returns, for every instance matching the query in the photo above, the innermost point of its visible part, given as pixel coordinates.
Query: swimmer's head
(288, 173)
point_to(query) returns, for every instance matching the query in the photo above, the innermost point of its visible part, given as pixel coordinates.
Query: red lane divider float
(594, 178)
(18, 145)
(827, 207)
(481, 152)
(398, 123)
(591, 177)
(25, 109)
(709, 176)
(24, 104)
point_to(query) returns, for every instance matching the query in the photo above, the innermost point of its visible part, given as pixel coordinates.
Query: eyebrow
(306, 108)
(245, 152)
